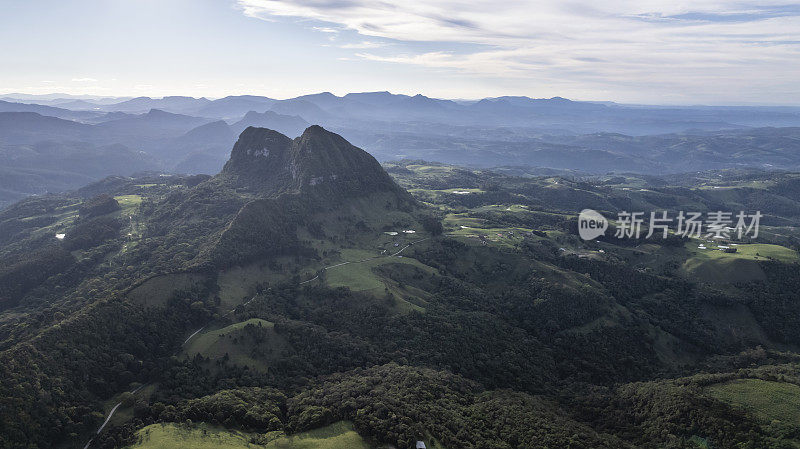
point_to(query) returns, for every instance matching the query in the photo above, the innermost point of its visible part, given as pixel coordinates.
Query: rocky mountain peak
(267, 161)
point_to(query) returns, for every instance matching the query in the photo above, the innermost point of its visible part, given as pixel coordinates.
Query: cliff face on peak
(268, 162)
(273, 187)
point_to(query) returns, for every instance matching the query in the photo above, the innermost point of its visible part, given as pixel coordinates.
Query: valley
(286, 302)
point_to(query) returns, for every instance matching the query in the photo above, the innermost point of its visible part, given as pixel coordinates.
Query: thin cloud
(659, 45)
(363, 45)
(325, 29)
(84, 80)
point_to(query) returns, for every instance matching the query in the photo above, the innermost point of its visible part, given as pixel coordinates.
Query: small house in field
(420, 445)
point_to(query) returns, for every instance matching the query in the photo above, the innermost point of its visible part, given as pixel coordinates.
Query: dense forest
(444, 304)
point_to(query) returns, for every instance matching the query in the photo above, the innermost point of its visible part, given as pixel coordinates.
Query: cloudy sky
(646, 51)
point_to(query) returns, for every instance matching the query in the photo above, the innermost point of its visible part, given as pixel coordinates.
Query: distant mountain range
(571, 117)
(6, 106)
(194, 135)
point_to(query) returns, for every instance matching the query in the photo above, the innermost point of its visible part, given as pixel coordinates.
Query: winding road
(110, 414)
(190, 336)
(365, 260)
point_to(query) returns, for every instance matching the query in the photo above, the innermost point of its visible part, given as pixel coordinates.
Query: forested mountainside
(308, 294)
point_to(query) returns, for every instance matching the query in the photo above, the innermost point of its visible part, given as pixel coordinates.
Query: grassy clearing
(705, 265)
(759, 251)
(359, 276)
(460, 191)
(765, 399)
(336, 436)
(434, 196)
(459, 225)
(65, 218)
(440, 169)
(173, 436)
(176, 436)
(129, 207)
(456, 221)
(513, 208)
(755, 184)
(129, 202)
(362, 274)
(722, 269)
(230, 340)
(712, 265)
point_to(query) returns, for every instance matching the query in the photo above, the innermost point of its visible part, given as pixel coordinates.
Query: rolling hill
(306, 287)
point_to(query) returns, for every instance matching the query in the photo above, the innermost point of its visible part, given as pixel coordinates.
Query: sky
(646, 51)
